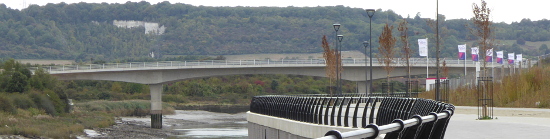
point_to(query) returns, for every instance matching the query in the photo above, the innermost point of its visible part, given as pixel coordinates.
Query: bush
(22, 101)
(123, 108)
(6, 104)
(45, 103)
(174, 98)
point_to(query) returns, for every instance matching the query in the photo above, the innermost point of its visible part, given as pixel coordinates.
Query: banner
(462, 52)
(423, 47)
(519, 57)
(510, 58)
(500, 55)
(489, 55)
(475, 51)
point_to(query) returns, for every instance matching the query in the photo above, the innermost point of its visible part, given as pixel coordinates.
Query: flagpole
(465, 55)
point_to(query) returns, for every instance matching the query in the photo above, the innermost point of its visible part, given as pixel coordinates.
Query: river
(185, 124)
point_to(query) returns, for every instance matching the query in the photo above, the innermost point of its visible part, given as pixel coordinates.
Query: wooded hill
(85, 31)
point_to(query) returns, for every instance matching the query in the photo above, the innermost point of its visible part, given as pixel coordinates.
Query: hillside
(84, 31)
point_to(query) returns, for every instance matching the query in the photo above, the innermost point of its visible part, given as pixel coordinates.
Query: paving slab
(509, 123)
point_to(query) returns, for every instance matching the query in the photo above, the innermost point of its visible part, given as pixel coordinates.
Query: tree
(387, 53)
(482, 29)
(543, 49)
(330, 56)
(404, 38)
(17, 83)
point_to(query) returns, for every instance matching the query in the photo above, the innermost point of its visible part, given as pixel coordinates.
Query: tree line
(84, 31)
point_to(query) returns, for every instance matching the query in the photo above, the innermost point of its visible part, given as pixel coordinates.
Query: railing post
(63, 68)
(76, 67)
(171, 63)
(212, 62)
(130, 64)
(254, 61)
(240, 62)
(268, 61)
(90, 66)
(157, 64)
(103, 67)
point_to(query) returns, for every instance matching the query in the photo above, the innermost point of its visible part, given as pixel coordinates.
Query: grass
(42, 125)
(36, 123)
(528, 89)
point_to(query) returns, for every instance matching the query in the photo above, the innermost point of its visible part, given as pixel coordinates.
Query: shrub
(6, 104)
(45, 103)
(123, 108)
(22, 101)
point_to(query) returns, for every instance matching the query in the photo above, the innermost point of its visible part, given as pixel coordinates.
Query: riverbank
(139, 127)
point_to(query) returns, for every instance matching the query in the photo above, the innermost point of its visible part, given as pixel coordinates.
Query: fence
(354, 110)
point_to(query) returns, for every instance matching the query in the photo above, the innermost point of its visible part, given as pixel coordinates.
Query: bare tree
(403, 29)
(330, 56)
(387, 53)
(482, 29)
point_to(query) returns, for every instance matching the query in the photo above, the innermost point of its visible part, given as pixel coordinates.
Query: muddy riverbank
(178, 125)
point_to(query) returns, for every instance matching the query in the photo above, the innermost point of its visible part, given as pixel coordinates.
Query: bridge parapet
(69, 68)
(358, 115)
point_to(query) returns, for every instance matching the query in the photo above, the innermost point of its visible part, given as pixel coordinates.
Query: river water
(232, 130)
(208, 125)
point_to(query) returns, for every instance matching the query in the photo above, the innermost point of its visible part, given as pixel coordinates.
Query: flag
(489, 55)
(475, 51)
(423, 47)
(510, 58)
(462, 52)
(500, 55)
(519, 57)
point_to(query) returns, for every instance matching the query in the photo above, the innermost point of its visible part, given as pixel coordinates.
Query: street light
(370, 13)
(336, 28)
(340, 38)
(366, 44)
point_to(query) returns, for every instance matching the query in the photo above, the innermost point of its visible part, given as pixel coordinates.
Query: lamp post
(340, 38)
(336, 28)
(366, 44)
(370, 13)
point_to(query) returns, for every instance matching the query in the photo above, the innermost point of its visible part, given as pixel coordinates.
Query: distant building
(150, 27)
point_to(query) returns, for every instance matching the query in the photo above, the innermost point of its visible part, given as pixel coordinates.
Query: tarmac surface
(508, 123)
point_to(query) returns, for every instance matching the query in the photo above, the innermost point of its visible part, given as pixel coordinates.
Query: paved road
(512, 123)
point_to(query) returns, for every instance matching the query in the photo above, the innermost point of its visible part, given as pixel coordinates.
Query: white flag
(423, 47)
(489, 52)
(500, 54)
(519, 57)
(475, 51)
(510, 56)
(462, 48)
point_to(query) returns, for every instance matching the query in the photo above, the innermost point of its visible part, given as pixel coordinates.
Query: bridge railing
(190, 64)
(359, 111)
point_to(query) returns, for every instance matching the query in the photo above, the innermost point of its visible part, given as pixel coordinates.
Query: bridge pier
(362, 86)
(156, 105)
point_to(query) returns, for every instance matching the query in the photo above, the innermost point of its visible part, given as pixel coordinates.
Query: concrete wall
(257, 131)
(268, 127)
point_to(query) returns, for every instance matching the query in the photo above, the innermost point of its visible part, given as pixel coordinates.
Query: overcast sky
(502, 10)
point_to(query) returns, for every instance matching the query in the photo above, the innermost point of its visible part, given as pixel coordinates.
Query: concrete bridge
(155, 74)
